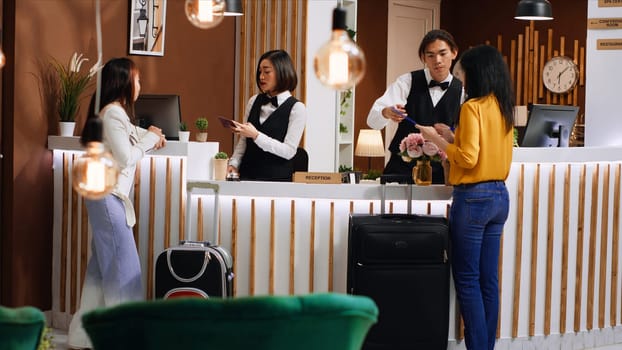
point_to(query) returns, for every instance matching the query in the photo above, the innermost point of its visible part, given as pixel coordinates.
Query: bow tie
(444, 85)
(265, 99)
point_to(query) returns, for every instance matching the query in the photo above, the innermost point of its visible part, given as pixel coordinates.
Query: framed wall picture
(147, 27)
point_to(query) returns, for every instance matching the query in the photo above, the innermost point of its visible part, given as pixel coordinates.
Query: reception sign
(609, 3)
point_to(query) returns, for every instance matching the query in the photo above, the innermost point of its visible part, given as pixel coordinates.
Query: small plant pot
(201, 137)
(184, 136)
(66, 128)
(220, 169)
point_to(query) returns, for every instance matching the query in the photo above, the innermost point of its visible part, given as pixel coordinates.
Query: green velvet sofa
(20, 328)
(326, 321)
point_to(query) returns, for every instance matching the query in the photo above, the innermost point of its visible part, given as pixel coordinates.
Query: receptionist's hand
(395, 113)
(246, 130)
(232, 169)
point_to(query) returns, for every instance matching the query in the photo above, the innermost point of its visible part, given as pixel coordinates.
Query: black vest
(258, 164)
(420, 108)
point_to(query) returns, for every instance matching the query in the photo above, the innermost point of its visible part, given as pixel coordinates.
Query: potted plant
(201, 124)
(184, 133)
(220, 165)
(72, 83)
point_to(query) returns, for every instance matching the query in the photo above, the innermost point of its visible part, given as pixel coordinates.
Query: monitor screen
(162, 111)
(549, 125)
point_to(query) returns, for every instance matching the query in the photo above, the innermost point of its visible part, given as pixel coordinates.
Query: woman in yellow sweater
(479, 156)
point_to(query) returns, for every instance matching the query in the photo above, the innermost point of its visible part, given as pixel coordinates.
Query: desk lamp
(369, 144)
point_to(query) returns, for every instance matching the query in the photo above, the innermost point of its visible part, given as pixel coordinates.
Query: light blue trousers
(113, 272)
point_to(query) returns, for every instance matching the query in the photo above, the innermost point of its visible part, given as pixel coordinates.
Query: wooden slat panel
(604, 229)
(182, 201)
(284, 23)
(615, 246)
(292, 246)
(244, 73)
(519, 70)
(263, 26)
(137, 182)
(303, 58)
(253, 250)
(234, 242)
(84, 239)
(63, 238)
(518, 255)
(312, 249)
(535, 212)
(550, 239)
(331, 248)
(579, 263)
(565, 241)
(272, 247)
(200, 219)
(74, 249)
(151, 227)
(167, 204)
(592, 247)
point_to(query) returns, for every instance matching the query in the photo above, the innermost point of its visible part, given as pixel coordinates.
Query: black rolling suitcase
(401, 261)
(194, 269)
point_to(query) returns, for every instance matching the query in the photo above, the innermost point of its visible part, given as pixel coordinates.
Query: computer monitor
(549, 125)
(162, 111)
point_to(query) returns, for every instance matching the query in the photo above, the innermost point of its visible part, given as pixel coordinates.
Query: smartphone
(226, 122)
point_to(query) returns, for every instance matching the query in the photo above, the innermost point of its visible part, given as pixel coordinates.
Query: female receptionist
(275, 121)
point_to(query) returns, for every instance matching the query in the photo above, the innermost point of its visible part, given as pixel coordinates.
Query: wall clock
(560, 74)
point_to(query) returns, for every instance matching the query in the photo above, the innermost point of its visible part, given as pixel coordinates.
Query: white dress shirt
(295, 128)
(397, 93)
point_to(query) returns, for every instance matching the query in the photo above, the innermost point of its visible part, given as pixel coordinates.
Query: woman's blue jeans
(478, 213)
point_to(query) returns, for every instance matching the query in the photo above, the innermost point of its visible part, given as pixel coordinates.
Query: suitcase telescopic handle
(216, 189)
(399, 178)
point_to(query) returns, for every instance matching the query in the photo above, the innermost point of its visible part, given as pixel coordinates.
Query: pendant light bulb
(205, 14)
(340, 63)
(2, 58)
(95, 173)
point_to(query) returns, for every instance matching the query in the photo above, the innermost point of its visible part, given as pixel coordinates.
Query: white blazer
(128, 144)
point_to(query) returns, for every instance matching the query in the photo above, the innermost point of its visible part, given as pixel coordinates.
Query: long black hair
(117, 85)
(487, 73)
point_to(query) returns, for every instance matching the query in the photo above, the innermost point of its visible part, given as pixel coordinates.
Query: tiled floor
(60, 339)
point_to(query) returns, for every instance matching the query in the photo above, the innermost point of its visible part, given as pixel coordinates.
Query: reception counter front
(560, 283)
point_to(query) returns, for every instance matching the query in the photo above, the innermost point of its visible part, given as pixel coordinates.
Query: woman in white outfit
(113, 273)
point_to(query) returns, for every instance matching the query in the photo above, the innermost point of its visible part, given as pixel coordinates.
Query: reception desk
(559, 265)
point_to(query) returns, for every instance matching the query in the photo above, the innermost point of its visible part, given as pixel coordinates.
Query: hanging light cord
(98, 29)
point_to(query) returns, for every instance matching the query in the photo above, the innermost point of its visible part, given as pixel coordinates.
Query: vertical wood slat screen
(269, 25)
(526, 58)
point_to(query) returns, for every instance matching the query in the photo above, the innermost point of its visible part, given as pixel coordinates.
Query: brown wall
(197, 64)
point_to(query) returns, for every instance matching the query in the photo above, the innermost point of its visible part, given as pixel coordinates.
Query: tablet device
(227, 123)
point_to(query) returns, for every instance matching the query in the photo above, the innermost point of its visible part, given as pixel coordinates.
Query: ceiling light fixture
(340, 63)
(205, 14)
(534, 10)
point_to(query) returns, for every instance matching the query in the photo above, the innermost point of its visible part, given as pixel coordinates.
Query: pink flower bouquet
(414, 146)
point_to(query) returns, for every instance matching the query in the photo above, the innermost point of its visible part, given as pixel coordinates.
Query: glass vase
(422, 173)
